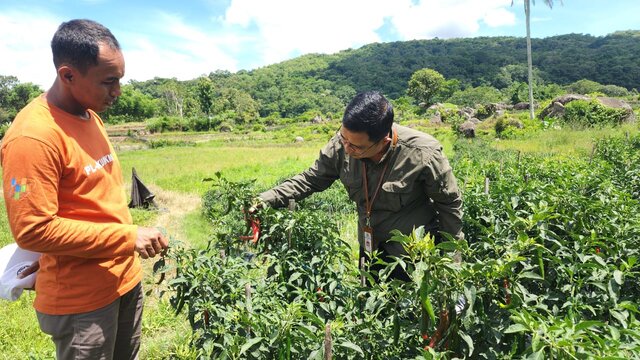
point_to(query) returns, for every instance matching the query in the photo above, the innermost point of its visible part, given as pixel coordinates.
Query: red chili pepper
(255, 228)
(206, 318)
(425, 337)
(443, 325)
(597, 250)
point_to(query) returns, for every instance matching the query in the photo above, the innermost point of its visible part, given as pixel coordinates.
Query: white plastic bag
(13, 260)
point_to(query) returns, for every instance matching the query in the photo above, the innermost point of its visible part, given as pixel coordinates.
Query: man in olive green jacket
(398, 177)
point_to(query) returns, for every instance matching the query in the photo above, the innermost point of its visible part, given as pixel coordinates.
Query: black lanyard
(369, 203)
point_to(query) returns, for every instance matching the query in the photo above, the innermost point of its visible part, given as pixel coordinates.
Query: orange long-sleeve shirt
(65, 198)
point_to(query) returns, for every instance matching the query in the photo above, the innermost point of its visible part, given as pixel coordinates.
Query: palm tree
(527, 12)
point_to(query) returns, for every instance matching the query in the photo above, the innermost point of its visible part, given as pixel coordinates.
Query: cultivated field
(176, 164)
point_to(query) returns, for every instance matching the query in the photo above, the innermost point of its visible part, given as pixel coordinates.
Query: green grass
(182, 169)
(197, 229)
(20, 335)
(5, 232)
(564, 141)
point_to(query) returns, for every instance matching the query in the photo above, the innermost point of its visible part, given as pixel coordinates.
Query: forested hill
(323, 84)
(612, 59)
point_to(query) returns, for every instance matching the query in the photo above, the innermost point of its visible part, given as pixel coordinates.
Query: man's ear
(66, 74)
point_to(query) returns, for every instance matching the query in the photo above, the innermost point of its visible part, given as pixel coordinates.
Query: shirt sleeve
(442, 188)
(31, 173)
(317, 178)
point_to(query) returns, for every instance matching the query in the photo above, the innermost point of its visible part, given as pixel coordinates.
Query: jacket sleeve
(317, 178)
(442, 189)
(31, 173)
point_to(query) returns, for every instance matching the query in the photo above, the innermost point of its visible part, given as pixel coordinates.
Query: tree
(424, 85)
(14, 96)
(132, 105)
(527, 12)
(206, 94)
(6, 85)
(473, 96)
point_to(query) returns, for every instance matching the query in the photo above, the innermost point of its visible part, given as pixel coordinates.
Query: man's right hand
(150, 242)
(256, 205)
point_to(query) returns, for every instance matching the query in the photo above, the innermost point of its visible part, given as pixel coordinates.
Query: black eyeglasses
(358, 150)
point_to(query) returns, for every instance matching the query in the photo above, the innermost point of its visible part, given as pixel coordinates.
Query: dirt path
(162, 327)
(173, 208)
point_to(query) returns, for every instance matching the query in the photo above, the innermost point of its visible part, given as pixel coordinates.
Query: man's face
(358, 145)
(99, 87)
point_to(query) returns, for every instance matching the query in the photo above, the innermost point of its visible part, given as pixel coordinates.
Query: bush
(479, 95)
(201, 123)
(155, 144)
(508, 128)
(614, 90)
(167, 123)
(589, 87)
(258, 127)
(452, 117)
(591, 113)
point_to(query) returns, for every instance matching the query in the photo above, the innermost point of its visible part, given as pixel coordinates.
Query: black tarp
(140, 194)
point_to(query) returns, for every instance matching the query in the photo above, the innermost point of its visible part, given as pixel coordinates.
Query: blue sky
(189, 38)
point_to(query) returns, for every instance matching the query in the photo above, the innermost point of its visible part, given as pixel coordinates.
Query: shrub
(478, 95)
(258, 127)
(452, 117)
(508, 128)
(167, 123)
(584, 113)
(201, 123)
(155, 144)
(614, 90)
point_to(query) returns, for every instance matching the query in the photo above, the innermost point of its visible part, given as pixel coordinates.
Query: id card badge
(368, 238)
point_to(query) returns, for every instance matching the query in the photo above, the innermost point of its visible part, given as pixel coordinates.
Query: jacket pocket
(394, 195)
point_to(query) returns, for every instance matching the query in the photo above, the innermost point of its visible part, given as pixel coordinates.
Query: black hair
(77, 43)
(369, 112)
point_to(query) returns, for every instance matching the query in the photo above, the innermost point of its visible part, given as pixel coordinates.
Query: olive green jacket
(419, 187)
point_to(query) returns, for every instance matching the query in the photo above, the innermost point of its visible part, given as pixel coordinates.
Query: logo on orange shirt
(100, 163)
(18, 188)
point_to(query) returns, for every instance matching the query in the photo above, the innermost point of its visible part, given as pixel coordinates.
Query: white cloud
(175, 49)
(172, 49)
(499, 17)
(449, 18)
(289, 27)
(292, 27)
(541, 19)
(25, 45)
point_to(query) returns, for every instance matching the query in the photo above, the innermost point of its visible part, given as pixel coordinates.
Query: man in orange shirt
(65, 199)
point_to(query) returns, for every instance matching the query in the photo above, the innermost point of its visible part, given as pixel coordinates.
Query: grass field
(175, 174)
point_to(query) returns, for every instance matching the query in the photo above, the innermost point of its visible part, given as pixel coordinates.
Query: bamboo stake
(292, 207)
(363, 280)
(328, 343)
(247, 294)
